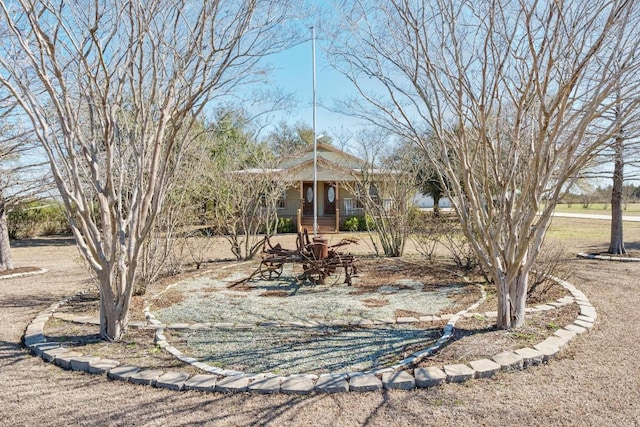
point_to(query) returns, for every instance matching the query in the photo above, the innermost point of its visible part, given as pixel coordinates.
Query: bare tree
(242, 187)
(244, 208)
(512, 92)
(385, 187)
(22, 176)
(112, 90)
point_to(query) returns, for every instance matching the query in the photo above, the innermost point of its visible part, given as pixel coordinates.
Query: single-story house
(337, 173)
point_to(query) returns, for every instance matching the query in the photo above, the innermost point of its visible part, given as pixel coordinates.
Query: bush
(359, 223)
(37, 219)
(550, 264)
(285, 225)
(445, 231)
(352, 223)
(366, 223)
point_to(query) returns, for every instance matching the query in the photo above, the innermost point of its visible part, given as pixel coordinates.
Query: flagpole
(315, 141)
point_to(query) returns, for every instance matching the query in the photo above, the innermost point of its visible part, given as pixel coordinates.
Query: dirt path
(595, 382)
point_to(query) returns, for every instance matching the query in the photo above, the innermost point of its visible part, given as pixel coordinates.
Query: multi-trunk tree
(112, 90)
(506, 97)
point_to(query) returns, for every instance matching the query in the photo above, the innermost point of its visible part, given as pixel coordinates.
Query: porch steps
(326, 225)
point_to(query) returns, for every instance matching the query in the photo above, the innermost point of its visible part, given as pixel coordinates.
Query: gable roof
(326, 153)
(333, 164)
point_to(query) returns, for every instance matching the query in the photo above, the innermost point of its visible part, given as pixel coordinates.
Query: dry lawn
(596, 381)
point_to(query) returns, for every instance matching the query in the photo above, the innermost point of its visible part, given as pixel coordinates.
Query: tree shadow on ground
(11, 301)
(311, 350)
(44, 241)
(12, 353)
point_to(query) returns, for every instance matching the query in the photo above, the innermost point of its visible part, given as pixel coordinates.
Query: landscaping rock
(201, 382)
(575, 328)
(266, 385)
(332, 383)
(39, 348)
(172, 380)
(429, 377)
(364, 382)
(233, 384)
(565, 333)
(509, 360)
(123, 372)
(297, 385)
(50, 354)
(400, 380)
(458, 373)
(484, 368)
(102, 366)
(530, 356)
(146, 377)
(548, 350)
(82, 363)
(583, 323)
(64, 360)
(556, 340)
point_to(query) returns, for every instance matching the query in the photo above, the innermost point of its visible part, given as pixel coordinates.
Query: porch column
(301, 207)
(337, 207)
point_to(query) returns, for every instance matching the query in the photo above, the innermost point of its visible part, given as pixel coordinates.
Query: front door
(307, 204)
(330, 197)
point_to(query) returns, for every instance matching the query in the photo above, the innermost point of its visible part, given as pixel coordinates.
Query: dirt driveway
(596, 381)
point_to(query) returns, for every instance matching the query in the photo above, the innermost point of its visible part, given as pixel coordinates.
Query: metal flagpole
(315, 142)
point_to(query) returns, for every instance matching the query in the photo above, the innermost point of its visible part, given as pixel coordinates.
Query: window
(281, 202)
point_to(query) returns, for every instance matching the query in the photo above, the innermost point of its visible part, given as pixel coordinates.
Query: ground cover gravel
(282, 349)
(205, 299)
(286, 350)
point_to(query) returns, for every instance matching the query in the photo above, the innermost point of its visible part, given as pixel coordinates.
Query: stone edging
(25, 274)
(395, 377)
(161, 341)
(608, 257)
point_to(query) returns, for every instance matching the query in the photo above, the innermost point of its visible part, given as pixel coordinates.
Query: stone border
(161, 340)
(608, 257)
(25, 274)
(399, 378)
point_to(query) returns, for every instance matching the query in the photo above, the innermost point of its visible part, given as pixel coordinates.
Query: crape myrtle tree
(511, 95)
(112, 90)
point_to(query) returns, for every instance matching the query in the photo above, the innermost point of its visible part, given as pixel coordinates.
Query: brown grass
(594, 382)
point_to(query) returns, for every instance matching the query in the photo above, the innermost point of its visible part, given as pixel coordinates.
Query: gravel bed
(284, 300)
(286, 351)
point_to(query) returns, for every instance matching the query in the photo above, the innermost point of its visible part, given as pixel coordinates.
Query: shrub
(551, 263)
(37, 219)
(444, 231)
(366, 222)
(285, 225)
(351, 224)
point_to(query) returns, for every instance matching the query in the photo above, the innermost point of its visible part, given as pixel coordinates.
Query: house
(337, 173)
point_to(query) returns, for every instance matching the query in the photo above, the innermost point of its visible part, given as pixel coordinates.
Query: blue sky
(293, 73)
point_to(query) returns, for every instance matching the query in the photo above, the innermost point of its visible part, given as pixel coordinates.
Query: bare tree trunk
(519, 298)
(512, 298)
(616, 242)
(115, 120)
(508, 113)
(6, 263)
(504, 306)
